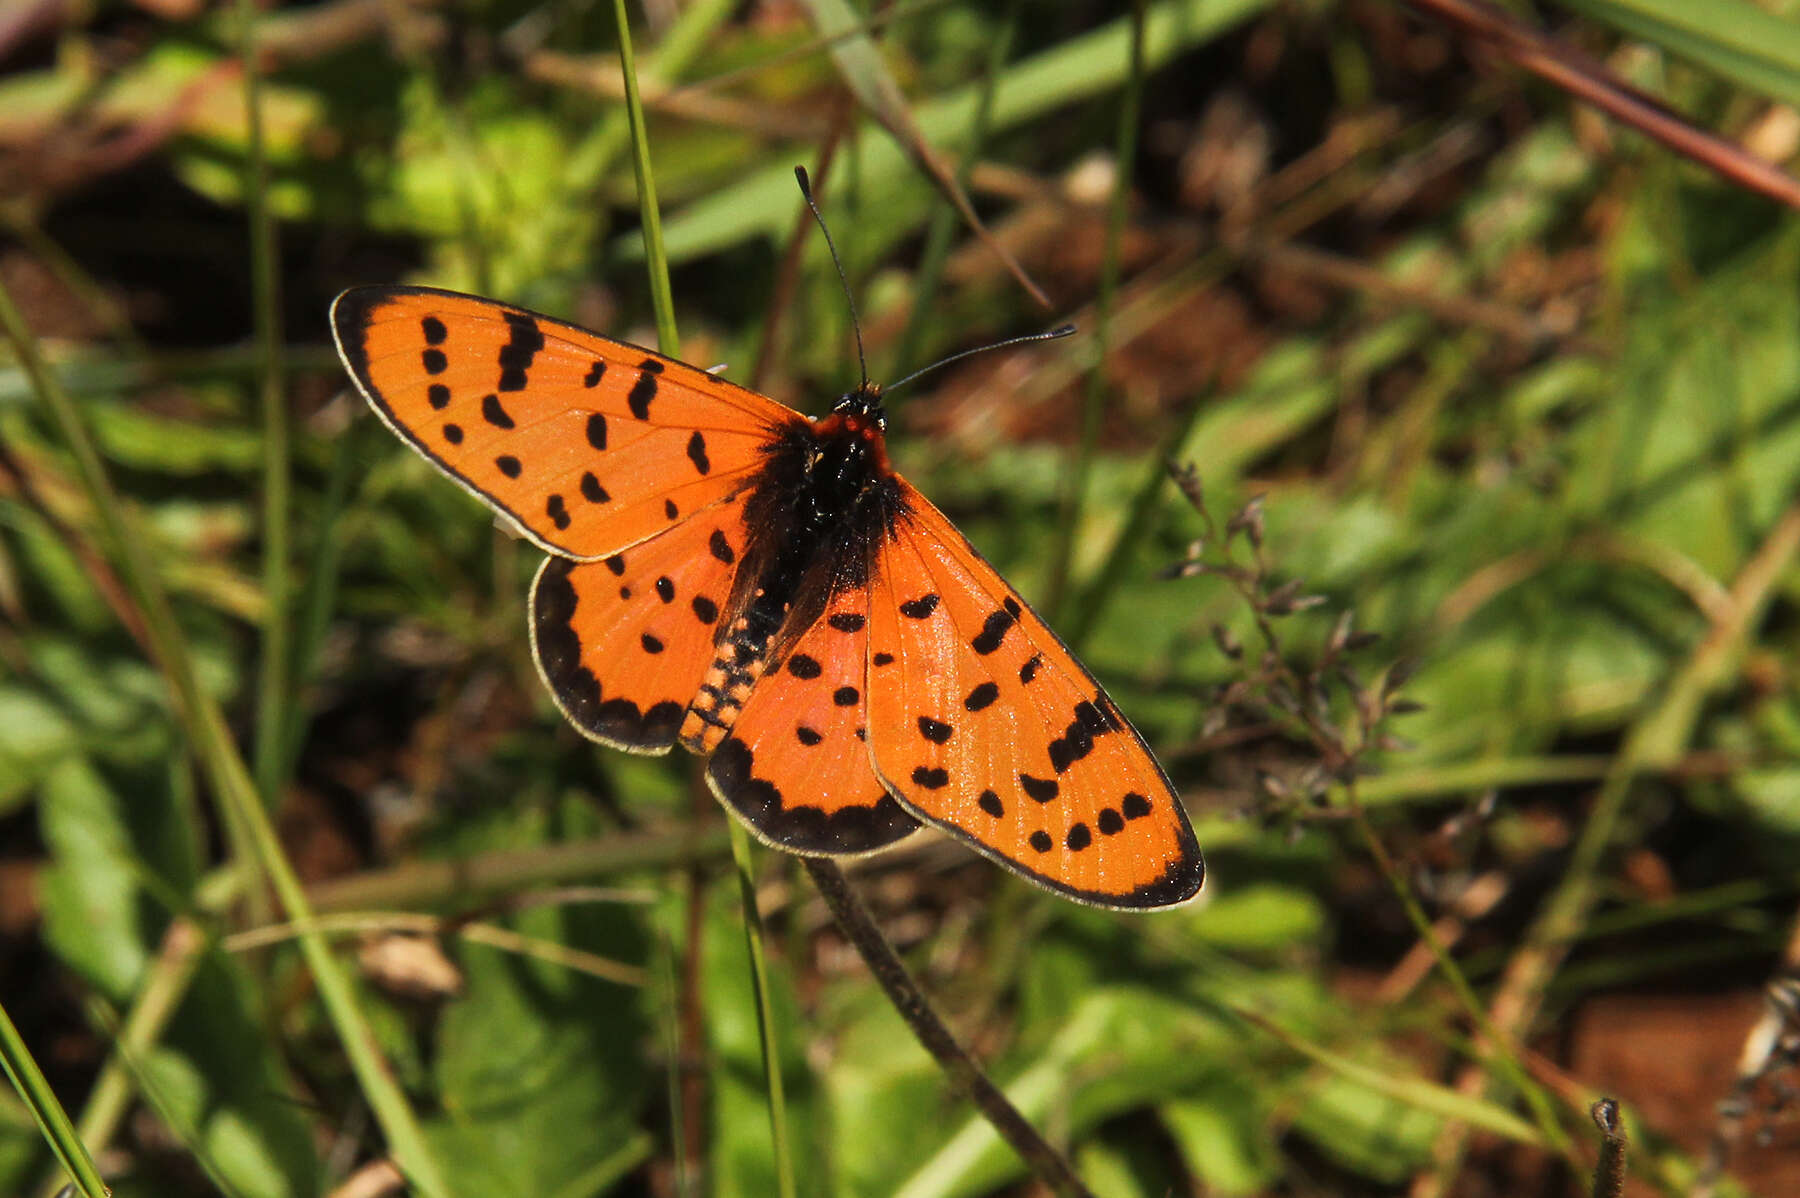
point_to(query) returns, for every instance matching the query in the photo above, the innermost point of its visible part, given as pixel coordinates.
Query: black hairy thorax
(819, 509)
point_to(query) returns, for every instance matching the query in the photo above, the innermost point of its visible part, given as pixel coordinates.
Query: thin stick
(965, 1075)
(1589, 80)
(1609, 1170)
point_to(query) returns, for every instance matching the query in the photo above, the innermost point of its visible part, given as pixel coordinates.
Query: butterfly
(765, 590)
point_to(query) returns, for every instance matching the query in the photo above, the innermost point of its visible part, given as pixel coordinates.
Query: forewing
(624, 642)
(796, 763)
(589, 445)
(984, 723)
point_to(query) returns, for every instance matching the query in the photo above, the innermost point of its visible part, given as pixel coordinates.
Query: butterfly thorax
(819, 506)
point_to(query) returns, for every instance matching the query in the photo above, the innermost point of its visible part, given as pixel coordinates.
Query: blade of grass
(1091, 602)
(59, 1133)
(684, 41)
(232, 784)
(656, 263)
(1734, 39)
(273, 694)
(1591, 82)
(1071, 71)
(320, 592)
(662, 299)
(1414, 1091)
(942, 227)
(1093, 405)
(960, 1070)
(866, 73)
(165, 986)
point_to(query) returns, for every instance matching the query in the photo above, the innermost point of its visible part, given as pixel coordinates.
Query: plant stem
(1093, 404)
(210, 741)
(966, 1077)
(29, 1081)
(273, 693)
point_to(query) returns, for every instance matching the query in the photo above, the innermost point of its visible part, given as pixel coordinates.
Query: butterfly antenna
(862, 363)
(1055, 334)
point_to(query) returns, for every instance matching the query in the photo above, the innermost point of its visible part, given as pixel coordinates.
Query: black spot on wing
(453, 433)
(494, 413)
(665, 589)
(591, 490)
(651, 644)
(670, 510)
(434, 330)
(720, 547)
(1040, 840)
(696, 452)
(596, 430)
(558, 513)
(616, 563)
(918, 609)
(516, 355)
(1134, 805)
(807, 736)
(1041, 789)
(434, 361)
(983, 695)
(845, 696)
(1029, 670)
(1077, 740)
(642, 392)
(846, 621)
(593, 376)
(1111, 823)
(508, 465)
(705, 610)
(934, 731)
(438, 396)
(1079, 837)
(990, 803)
(993, 632)
(931, 777)
(802, 666)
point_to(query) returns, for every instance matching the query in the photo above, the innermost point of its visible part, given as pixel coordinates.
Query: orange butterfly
(764, 589)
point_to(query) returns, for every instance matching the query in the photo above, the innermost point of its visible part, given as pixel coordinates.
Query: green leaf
(94, 904)
(539, 1068)
(1738, 40)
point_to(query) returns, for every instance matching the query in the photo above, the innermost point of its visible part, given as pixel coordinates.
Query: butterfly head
(861, 411)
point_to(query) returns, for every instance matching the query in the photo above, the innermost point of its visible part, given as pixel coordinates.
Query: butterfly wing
(589, 445)
(623, 643)
(982, 722)
(796, 764)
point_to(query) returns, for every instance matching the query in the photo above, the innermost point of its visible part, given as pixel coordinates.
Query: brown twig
(965, 1076)
(1609, 1170)
(1589, 80)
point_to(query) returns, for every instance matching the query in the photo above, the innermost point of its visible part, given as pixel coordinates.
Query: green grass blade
(661, 297)
(153, 1006)
(1093, 402)
(59, 1133)
(320, 592)
(941, 230)
(1733, 38)
(230, 777)
(1063, 75)
(273, 694)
